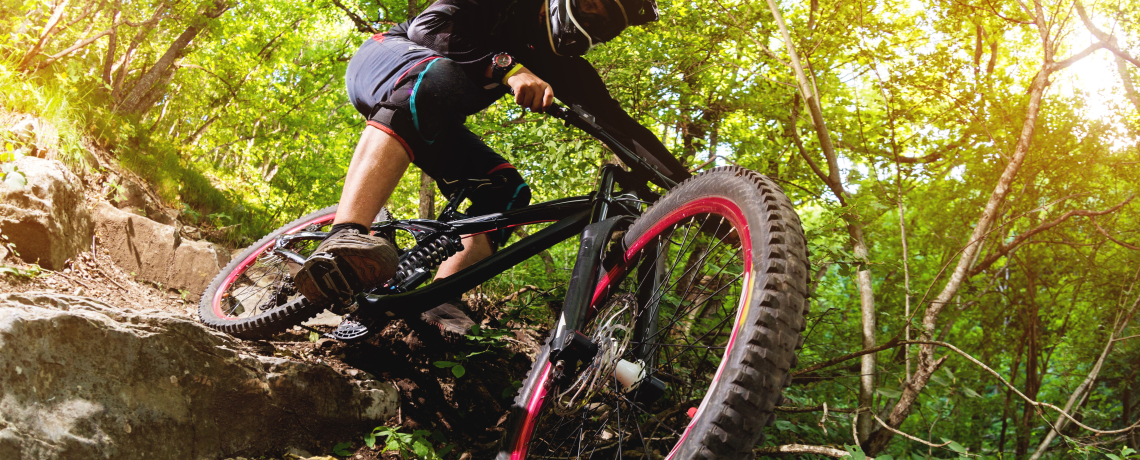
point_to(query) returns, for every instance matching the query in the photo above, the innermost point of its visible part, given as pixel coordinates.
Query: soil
(467, 411)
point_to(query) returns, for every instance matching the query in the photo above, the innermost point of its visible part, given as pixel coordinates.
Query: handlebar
(575, 112)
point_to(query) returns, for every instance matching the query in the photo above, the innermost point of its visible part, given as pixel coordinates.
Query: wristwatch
(503, 66)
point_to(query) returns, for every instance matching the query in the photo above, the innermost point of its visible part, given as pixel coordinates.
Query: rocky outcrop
(130, 195)
(156, 252)
(46, 220)
(82, 380)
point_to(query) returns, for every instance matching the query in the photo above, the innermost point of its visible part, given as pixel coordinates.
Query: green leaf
(954, 446)
(422, 448)
(1113, 457)
(856, 452)
(15, 179)
(443, 364)
(784, 425)
(884, 457)
(343, 449)
(313, 337)
(949, 375)
(458, 370)
(370, 440)
(888, 393)
(971, 393)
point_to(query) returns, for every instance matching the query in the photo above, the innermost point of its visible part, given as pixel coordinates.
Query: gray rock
(156, 252)
(47, 220)
(82, 380)
(132, 197)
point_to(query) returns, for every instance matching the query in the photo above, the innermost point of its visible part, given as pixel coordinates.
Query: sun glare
(1096, 80)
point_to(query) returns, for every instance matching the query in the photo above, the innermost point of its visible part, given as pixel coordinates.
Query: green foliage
(11, 176)
(419, 444)
(251, 129)
(1125, 453)
(343, 449)
(479, 337)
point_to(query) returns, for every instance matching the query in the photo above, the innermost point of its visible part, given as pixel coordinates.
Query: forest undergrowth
(966, 175)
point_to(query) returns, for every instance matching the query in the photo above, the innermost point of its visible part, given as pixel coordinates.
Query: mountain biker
(416, 83)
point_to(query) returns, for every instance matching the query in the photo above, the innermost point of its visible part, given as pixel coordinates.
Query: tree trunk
(865, 421)
(1032, 334)
(49, 27)
(124, 65)
(927, 364)
(112, 42)
(1079, 395)
(135, 100)
(427, 197)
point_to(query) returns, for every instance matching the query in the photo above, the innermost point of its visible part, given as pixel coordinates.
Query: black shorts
(422, 101)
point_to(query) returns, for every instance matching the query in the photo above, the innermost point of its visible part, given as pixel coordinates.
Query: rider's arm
(579, 83)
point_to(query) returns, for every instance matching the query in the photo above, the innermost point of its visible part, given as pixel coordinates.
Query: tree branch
(360, 23)
(1004, 249)
(894, 342)
(788, 449)
(798, 410)
(1114, 240)
(1028, 400)
(1108, 39)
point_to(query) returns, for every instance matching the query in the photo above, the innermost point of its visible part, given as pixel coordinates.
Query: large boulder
(46, 219)
(156, 252)
(82, 380)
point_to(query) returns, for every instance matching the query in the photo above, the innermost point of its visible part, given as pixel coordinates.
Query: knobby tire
(734, 332)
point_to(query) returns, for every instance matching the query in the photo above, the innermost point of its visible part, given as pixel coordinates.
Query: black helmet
(575, 26)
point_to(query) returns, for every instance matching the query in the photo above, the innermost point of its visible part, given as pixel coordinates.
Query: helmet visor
(601, 19)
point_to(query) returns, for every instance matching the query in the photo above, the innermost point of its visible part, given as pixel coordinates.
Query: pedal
(354, 329)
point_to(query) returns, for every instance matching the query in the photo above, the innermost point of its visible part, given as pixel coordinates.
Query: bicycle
(680, 322)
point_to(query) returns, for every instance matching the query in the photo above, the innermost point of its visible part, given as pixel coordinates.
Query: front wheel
(705, 301)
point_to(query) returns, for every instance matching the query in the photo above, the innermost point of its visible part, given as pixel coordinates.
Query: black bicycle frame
(596, 217)
(571, 216)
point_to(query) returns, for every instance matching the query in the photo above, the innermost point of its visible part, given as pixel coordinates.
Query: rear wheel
(253, 297)
(705, 301)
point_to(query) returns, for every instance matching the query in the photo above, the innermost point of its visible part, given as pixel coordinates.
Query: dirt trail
(466, 411)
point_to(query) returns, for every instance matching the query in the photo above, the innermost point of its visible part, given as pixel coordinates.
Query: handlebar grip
(554, 110)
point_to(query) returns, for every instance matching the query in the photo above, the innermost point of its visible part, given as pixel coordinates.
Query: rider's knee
(507, 190)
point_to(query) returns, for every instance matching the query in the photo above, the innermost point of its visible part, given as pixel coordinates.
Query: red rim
(709, 205)
(245, 264)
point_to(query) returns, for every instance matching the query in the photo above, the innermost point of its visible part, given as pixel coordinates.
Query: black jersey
(470, 32)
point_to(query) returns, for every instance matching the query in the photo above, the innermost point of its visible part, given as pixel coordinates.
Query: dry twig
(802, 449)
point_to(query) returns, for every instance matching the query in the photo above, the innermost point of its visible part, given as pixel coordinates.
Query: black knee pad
(504, 190)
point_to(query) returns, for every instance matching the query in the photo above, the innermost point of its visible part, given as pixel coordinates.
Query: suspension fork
(569, 346)
(650, 275)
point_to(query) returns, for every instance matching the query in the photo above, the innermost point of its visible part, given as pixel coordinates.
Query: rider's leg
(350, 257)
(376, 168)
(475, 248)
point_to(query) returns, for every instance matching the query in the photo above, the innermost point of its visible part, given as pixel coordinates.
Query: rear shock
(416, 265)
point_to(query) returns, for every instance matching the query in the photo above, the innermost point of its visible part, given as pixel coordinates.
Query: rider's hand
(530, 91)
